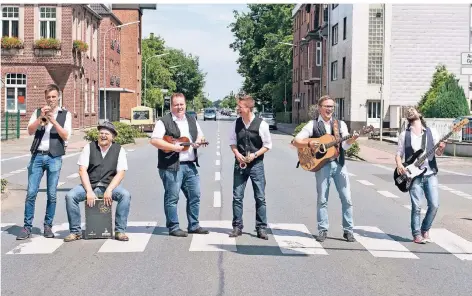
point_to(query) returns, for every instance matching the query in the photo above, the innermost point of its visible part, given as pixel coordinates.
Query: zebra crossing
(291, 239)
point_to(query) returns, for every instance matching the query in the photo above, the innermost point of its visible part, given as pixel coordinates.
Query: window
(47, 22)
(373, 109)
(86, 95)
(375, 46)
(318, 53)
(339, 110)
(95, 42)
(334, 33)
(345, 28)
(15, 96)
(344, 68)
(87, 37)
(92, 97)
(334, 70)
(10, 21)
(325, 13)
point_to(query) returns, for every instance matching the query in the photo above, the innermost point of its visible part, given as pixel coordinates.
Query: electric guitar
(314, 159)
(182, 141)
(413, 164)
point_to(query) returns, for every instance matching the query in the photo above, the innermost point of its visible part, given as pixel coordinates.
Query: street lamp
(145, 71)
(104, 64)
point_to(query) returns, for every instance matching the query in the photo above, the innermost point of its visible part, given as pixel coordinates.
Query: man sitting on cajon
(102, 166)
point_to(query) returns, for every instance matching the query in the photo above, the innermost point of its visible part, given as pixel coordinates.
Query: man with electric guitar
(177, 164)
(327, 157)
(419, 177)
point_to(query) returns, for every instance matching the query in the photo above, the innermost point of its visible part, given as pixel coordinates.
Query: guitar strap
(336, 129)
(423, 141)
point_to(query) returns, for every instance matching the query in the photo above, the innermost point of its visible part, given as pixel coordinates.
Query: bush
(126, 134)
(4, 185)
(353, 150)
(450, 102)
(299, 128)
(439, 77)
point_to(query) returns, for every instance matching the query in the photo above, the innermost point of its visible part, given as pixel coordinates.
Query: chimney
(151, 36)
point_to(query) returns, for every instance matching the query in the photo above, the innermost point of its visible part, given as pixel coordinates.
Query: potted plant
(80, 46)
(11, 45)
(47, 46)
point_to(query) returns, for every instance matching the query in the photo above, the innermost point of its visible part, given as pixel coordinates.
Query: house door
(373, 113)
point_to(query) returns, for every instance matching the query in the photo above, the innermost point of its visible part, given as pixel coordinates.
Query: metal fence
(444, 125)
(10, 125)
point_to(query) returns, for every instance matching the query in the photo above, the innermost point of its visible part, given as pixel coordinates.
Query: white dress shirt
(160, 130)
(307, 131)
(264, 133)
(44, 145)
(84, 158)
(416, 144)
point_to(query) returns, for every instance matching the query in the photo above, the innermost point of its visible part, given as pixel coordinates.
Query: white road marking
(456, 173)
(217, 162)
(217, 176)
(5, 226)
(18, 171)
(423, 211)
(218, 142)
(452, 243)
(70, 155)
(38, 244)
(16, 157)
(444, 187)
(351, 174)
(217, 199)
(365, 182)
(218, 147)
(217, 153)
(139, 234)
(379, 244)
(7, 175)
(73, 176)
(60, 184)
(462, 194)
(383, 167)
(387, 194)
(217, 240)
(130, 150)
(295, 239)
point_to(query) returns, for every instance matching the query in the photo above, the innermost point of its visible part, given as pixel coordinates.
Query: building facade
(45, 44)
(131, 58)
(389, 53)
(309, 75)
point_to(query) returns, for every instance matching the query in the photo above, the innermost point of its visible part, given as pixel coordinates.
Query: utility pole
(382, 79)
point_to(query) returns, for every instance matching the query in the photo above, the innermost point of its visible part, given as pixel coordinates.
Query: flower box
(47, 43)
(80, 46)
(11, 43)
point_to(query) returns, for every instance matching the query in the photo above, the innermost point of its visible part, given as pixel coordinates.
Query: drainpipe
(328, 45)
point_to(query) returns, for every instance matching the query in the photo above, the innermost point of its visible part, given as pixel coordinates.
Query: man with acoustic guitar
(326, 124)
(410, 140)
(177, 164)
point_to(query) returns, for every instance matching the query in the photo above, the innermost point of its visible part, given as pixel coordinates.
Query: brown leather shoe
(236, 232)
(261, 233)
(121, 237)
(72, 237)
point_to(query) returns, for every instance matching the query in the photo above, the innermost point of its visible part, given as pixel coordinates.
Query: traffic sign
(466, 58)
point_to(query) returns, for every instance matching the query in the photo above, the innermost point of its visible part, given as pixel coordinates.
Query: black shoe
(179, 233)
(261, 233)
(199, 230)
(349, 236)
(236, 232)
(24, 234)
(322, 235)
(48, 232)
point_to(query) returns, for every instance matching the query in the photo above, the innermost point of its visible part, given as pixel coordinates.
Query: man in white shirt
(51, 126)
(335, 169)
(102, 166)
(249, 140)
(409, 141)
(178, 168)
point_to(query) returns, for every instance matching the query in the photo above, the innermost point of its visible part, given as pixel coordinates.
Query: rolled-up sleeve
(264, 132)
(122, 161)
(306, 132)
(232, 134)
(199, 131)
(159, 130)
(401, 143)
(345, 132)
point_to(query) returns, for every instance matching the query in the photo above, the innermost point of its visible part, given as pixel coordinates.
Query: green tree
(450, 102)
(439, 77)
(264, 63)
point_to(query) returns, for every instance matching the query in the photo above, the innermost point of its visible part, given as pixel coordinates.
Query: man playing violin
(178, 167)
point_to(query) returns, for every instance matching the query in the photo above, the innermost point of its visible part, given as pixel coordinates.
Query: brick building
(131, 58)
(310, 73)
(48, 47)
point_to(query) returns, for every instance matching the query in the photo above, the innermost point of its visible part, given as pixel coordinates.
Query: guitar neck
(331, 144)
(432, 150)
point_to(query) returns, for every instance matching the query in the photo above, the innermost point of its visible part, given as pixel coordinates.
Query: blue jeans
(255, 171)
(427, 186)
(341, 180)
(186, 179)
(36, 167)
(78, 194)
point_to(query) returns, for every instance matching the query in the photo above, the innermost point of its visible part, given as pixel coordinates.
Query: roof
(296, 8)
(134, 6)
(117, 89)
(103, 10)
(92, 11)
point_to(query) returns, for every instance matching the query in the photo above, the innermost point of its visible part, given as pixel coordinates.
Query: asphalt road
(383, 261)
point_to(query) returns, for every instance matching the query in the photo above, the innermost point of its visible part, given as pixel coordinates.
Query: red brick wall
(130, 60)
(61, 70)
(113, 58)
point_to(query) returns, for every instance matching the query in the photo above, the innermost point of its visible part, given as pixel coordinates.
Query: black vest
(170, 160)
(429, 144)
(249, 140)
(319, 130)
(56, 143)
(102, 170)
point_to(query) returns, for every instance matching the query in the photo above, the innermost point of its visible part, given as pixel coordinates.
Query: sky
(201, 30)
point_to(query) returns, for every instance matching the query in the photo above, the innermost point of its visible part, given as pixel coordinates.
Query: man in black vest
(177, 168)
(409, 141)
(335, 169)
(249, 140)
(47, 150)
(102, 166)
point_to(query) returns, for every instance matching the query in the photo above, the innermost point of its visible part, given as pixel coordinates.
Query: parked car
(209, 114)
(192, 113)
(270, 119)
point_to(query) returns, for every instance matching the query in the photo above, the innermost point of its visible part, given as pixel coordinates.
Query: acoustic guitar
(182, 141)
(413, 164)
(313, 159)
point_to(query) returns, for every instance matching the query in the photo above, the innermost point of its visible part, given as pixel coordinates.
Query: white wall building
(417, 38)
